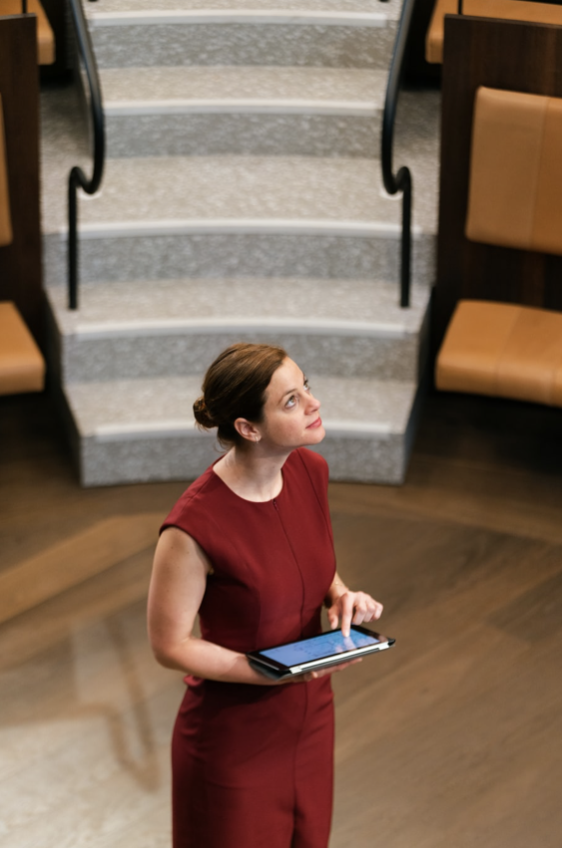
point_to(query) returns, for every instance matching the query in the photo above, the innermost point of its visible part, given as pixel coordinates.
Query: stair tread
(166, 305)
(390, 10)
(354, 190)
(242, 188)
(129, 408)
(186, 84)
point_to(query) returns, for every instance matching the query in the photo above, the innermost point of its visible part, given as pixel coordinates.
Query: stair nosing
(242, 226)
(137, 328)
(281, 16)
(272, 106)
(173, 428)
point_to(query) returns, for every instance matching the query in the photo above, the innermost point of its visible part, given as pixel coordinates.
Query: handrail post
(72, 242)
(402, 181)
(406, 248)
(77, 177)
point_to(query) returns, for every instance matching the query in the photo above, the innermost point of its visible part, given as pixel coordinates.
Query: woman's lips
(315, 424)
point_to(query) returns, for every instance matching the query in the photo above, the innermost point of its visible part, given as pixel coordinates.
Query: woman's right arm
(177, 586)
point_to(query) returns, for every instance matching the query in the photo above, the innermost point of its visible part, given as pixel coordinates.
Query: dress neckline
(246, 500)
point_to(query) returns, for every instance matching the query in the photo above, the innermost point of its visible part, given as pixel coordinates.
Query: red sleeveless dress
(252, 766)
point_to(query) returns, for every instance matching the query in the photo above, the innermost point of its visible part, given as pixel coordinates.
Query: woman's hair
(234, 387)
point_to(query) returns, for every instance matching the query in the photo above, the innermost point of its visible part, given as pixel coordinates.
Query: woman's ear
(247, 430)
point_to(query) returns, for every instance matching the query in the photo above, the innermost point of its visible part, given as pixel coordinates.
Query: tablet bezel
(273, 668)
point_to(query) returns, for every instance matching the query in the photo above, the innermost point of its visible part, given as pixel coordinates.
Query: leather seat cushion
(504, 350)
(515, 191)
(22, 367)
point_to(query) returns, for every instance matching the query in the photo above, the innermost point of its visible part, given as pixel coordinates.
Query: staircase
(242, 200)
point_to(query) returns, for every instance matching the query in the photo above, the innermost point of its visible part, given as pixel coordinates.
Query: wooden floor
(451, 740)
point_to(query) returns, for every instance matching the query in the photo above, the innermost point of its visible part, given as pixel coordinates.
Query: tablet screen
(325, 645)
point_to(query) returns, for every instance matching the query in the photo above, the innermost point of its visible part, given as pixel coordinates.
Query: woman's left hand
(352, 608)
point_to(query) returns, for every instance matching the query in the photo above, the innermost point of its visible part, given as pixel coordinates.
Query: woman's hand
(314, 675)
(350, 607)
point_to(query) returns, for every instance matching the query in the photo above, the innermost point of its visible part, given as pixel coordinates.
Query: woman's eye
(292, 401)
(306, 386)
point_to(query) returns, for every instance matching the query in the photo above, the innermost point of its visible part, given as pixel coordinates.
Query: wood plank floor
(451, 740)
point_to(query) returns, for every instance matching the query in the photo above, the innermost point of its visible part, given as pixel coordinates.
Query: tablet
(317, 652)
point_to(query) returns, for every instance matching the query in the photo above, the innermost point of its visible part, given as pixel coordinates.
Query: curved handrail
(77, 177)
(402, 181)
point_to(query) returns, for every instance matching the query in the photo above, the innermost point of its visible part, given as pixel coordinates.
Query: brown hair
(234, 387)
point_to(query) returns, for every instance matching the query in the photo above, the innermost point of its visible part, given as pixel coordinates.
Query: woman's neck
(250, 474)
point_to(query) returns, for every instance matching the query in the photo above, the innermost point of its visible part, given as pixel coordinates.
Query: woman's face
(291, 417)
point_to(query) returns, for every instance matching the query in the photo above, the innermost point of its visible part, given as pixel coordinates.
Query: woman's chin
(314, 435)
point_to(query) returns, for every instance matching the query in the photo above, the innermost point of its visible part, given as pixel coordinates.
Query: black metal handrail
(77, 177)
(402, 181)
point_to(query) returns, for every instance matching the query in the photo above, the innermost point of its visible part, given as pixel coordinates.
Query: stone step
(140, 430)
(183, 111)
(235, 216)
(358, 34)
(151, 329)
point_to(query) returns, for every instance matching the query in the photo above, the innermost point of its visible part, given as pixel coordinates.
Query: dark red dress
(253, 765)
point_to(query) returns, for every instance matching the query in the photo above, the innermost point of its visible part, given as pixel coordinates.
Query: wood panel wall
(20, 262)
(507, 55)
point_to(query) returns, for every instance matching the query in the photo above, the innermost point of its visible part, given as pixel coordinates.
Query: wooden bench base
(504, 350)
(22, 367)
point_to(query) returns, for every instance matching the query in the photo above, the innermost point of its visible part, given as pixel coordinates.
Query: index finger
(346, 614)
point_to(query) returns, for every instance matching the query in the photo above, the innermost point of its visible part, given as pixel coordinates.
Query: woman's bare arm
(177, 586)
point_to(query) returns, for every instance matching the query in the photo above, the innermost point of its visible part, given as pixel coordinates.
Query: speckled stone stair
(182, 111)
(140, 330)
(355, 34)
(131, 430)
(223, 216)
(242, 199)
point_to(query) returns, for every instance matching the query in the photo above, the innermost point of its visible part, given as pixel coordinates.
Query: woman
(249, 548)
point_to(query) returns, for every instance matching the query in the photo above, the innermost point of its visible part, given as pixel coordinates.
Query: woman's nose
(313, 403)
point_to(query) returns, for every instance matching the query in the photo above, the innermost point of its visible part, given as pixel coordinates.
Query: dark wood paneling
(20, 262)
(500, 54)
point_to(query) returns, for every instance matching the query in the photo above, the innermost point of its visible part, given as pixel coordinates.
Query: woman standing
(248, 547)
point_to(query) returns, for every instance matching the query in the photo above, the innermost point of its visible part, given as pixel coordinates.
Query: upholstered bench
(515, 10)
(45, 36)
(504, 350)
(22, 367)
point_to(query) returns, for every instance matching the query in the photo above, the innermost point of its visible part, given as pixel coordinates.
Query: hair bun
(202, 414)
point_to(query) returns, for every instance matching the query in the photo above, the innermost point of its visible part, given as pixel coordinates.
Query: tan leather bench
(6, 234)
(515, 188)
(515, 10)
(45, 36)
(504, 350)
(22, 367)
